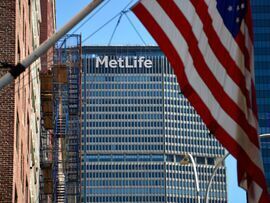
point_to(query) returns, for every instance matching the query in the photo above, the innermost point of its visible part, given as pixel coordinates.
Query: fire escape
(46, 138)
(67, 118)
(61, 130)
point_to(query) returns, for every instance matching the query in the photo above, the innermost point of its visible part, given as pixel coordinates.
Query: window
(29, 11)
(16, 195)
(18, 49)
(22, 167)
(26, 192)
(17, 131)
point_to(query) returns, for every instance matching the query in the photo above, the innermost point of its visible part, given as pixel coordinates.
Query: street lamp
(185, 161)
(265, 136)
(219, 163)
(265, 144)
(217, 167)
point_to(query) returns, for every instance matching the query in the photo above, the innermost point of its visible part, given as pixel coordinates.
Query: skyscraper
(261, 21)
(137, 129)
(265, 147)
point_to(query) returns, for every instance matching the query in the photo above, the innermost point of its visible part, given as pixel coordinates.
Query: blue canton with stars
(232, 13)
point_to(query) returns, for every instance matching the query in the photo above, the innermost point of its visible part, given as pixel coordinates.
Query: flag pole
(21, 66)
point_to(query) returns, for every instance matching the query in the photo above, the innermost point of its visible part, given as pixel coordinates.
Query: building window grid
(173, 128)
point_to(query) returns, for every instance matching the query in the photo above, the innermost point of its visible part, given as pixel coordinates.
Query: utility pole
(20, 67)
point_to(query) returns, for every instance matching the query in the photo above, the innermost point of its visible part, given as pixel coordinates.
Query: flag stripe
(254, 103)
(181, 48)
(249, 46)
(240, 40)
(249, 51)
(248, 21)
(212, 78)
(224, 48)
(256, 190)
(232, 47)
(214, 23)
(191, 94)
(228, 132)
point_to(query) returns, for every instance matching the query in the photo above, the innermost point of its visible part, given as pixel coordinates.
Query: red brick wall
(7, 54)
(6, 141)
(14, 100)
(47, 28)
(7, 30)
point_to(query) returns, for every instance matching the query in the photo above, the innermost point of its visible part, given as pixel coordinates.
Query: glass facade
(265, 147)
(261, 21)
(137, 127)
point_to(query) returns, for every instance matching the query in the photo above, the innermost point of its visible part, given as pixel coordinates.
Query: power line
(110, 20)
(120, 14)
(90, 17)
(101, 27)
(138, 33)
(116, 26)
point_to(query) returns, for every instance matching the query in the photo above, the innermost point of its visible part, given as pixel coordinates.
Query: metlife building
(261, 22)
(137, 130)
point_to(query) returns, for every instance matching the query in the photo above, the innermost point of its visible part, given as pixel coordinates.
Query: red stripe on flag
(220, 51)
(228, 105)
(249, 23)
(248, 20)
(254, 103)
(243, 159)
(240, 40)
(241, 43)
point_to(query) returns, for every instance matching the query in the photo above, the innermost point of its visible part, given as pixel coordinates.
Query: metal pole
(213, 175)
(19, 68)
(196, 176)
(265, 136)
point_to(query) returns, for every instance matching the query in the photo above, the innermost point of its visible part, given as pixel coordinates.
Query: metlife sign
(123, 62)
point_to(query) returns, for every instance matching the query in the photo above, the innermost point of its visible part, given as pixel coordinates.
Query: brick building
(20, 103)
(47, 28)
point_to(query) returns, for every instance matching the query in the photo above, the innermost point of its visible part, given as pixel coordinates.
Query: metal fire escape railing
(67, 127)
(46, 138)
(60, 132)
(46, 180)
(72, 166)
(60, 177)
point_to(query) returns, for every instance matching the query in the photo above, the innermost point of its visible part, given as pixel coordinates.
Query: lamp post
(185, 161)
(219, 163)
(265, 136)
(217, 167)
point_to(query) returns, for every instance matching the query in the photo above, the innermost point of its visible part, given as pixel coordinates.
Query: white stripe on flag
(254, 192)
(230, 87)
(227, 40)
(232, 128)
(249, 46)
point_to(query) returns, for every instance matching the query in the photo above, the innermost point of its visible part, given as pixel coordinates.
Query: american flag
(209, 43)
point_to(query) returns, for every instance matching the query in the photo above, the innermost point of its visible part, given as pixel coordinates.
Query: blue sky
(126, 35)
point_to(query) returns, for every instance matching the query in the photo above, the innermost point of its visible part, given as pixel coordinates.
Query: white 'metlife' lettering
(123, 62)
